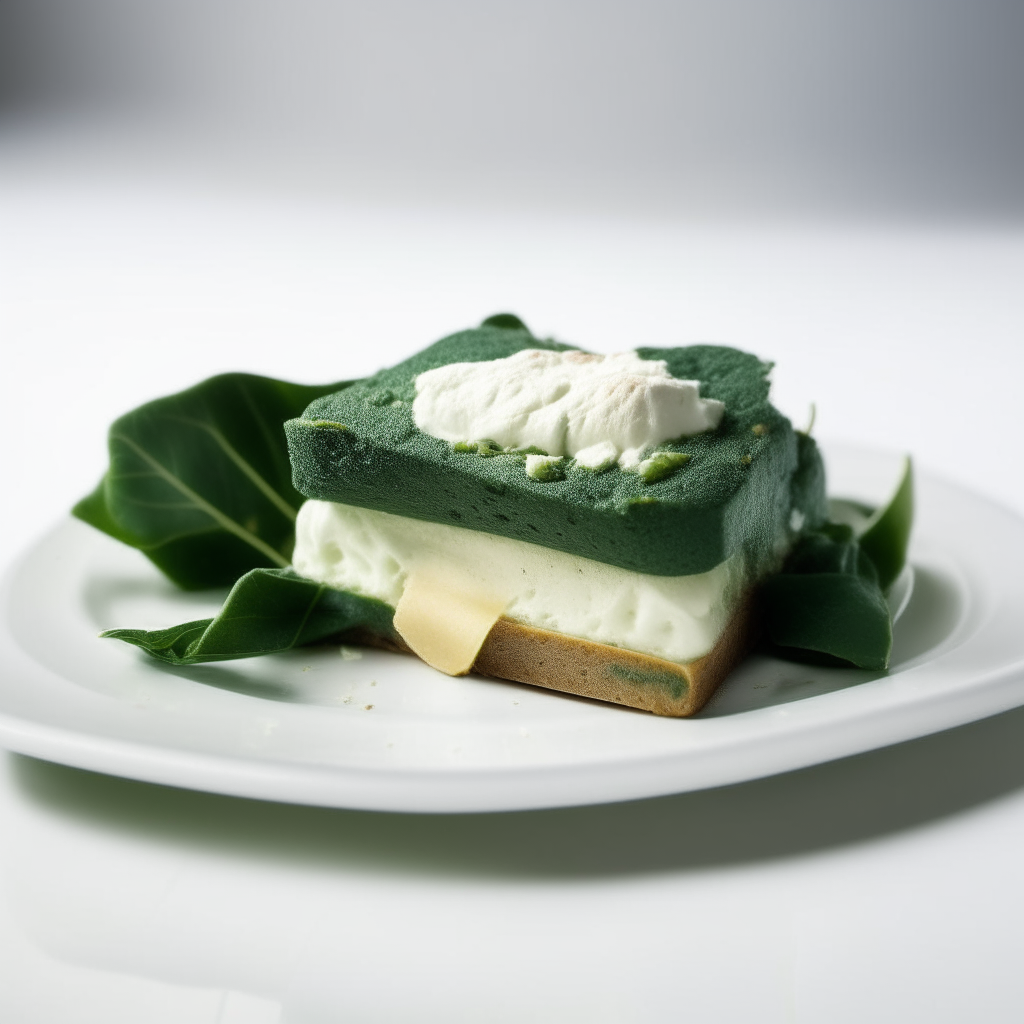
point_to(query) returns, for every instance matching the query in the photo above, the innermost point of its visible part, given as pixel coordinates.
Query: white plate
(369, 729)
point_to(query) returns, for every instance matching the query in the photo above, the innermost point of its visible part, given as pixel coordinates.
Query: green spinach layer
(735, 493)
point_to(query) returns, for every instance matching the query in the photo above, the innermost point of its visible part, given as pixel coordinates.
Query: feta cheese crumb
(598, 457)
(661, 465)
(544, 467)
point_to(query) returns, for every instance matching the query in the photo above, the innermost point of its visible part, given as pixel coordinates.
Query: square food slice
(593, 524)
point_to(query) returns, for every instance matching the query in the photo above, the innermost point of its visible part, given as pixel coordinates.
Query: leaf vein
(201, 503)
(257, 479)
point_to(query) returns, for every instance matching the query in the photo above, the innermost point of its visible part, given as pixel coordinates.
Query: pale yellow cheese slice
(444, 621)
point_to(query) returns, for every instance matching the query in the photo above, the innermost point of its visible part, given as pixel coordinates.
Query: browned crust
(559, 662)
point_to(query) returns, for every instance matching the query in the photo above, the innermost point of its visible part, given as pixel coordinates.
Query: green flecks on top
(328, 424)
(545, 468)
(661, 465)
(485, 448)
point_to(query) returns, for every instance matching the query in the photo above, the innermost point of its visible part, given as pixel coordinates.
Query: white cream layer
(593, 407)
(678, 618)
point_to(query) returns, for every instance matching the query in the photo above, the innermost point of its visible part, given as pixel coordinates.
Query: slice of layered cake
(590, 523)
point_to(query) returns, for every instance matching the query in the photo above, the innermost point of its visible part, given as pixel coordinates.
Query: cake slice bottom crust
(555, 661)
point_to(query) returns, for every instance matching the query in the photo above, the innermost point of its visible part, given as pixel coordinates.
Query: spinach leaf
(882, 533)
(839, 615)
(887, 533)
(200, 481)
(268, 610)
(828, 603)
(827, 600)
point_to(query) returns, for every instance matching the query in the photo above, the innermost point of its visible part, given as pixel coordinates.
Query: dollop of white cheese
(566, 403)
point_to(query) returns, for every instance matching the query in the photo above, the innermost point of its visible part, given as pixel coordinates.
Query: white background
(854, 217)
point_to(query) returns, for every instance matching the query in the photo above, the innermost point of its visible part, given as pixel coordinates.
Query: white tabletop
(884, 887)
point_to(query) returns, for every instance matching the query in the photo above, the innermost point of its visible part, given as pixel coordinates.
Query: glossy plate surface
(367, 729)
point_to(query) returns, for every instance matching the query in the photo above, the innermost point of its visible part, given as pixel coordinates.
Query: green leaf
(883, 533)
(268, 610)
(200, 481)
(827, 600)
(842, 615)
(887, 533)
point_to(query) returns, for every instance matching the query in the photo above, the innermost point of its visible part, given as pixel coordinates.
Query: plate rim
(866, 725)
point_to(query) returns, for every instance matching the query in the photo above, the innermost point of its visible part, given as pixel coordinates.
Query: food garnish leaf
(883, 533)
(887, 532)
(200, 481)
(829, 598)
(268, 610)
(840, 615)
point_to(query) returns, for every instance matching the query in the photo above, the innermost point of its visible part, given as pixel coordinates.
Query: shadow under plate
(848, 801)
